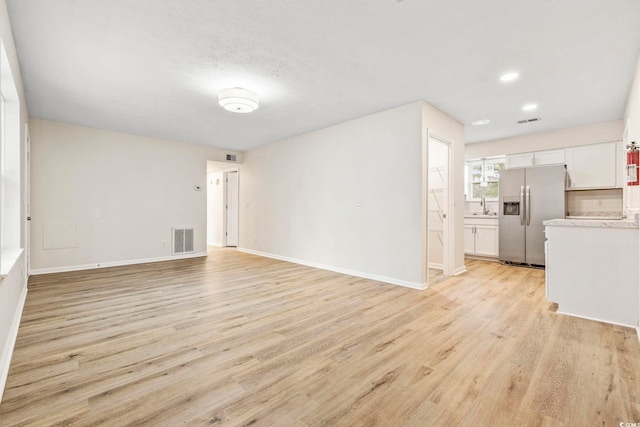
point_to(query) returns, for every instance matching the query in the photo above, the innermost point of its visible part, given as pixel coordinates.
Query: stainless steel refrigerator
(529, 196)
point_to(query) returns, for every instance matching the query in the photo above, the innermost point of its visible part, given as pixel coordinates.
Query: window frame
(468, 182)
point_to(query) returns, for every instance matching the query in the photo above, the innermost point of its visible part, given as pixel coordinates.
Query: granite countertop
(603, 223)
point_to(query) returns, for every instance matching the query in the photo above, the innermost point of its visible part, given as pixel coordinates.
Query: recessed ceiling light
(238, 100)
(482, 122)
(529, 107)
(509, 77)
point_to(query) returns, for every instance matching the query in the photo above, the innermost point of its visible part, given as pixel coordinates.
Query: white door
(439, 203)
(27, 200)
(231, 220)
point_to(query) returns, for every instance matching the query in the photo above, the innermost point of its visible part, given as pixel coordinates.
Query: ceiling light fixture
(482, 122)
(509, 77)
(529, 107)
(238, 100)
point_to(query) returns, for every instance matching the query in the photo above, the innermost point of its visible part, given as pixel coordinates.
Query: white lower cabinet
(481, 237)
(592, 271)
(469, 239)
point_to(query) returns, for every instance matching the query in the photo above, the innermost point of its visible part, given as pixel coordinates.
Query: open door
(439, 207)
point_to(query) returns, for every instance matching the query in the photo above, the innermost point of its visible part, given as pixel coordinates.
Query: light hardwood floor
(236, 339)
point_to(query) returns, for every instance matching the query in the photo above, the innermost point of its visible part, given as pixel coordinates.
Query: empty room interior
(393, 213)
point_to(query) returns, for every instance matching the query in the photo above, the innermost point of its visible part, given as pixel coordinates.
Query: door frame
(448, 228)
(226, 209)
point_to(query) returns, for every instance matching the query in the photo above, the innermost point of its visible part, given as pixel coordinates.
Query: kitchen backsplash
(474, 207)
(600, 203)
(605, 203)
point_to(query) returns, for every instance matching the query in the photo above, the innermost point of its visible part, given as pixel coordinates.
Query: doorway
(222, 204)
(439, 208)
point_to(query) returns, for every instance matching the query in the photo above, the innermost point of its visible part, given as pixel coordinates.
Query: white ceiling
(154, 67)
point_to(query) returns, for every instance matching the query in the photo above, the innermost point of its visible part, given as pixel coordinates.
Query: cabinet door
(621, 165)
(487, 240)
(549, 157)
(518, 160)
(469, 239)
(592, 166)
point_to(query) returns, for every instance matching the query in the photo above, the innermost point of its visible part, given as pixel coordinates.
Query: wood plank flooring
(239, 340)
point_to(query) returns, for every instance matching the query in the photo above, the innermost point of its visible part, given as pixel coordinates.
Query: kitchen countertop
(480, 216)
(602, 223)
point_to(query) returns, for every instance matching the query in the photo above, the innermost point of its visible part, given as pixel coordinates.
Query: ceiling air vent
(535, 119)
(231, 157)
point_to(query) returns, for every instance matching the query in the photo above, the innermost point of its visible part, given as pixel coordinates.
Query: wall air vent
(183, 241)
(535, 119)
(231, 157)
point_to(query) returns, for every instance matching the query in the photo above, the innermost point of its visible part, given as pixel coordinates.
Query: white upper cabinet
(548, 157)
(592, 166)
(588, 166)
(538, 158)
(521, 160)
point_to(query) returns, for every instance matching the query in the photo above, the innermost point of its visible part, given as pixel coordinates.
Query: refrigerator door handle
(522, 207)
(528, 205)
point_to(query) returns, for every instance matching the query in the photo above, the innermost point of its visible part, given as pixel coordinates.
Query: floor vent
(183, 241)
(535, 119)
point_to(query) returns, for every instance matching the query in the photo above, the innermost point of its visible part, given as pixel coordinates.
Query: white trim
(392, 281)
(65, 269)
(482, 257)
(459, 270)
(9, 345)
(436, 266)
(593, 318)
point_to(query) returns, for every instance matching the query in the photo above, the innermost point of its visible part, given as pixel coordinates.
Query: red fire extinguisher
(633, 162)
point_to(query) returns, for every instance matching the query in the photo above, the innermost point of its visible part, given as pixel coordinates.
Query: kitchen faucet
(483, 203)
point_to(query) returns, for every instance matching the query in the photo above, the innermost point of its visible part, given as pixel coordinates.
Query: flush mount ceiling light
(509, 77)
(529, 107)
(238, 100)
(482, 122)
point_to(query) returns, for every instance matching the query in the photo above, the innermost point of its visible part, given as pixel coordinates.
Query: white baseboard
(594, 318)
(407, 284)
(5, 360)
(36, 271)
(459, 270)
(436, 266)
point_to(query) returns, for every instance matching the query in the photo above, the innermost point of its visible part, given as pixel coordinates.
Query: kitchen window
(481, 178)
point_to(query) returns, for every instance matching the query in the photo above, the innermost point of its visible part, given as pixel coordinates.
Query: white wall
(632, 123)
(123, 192)
(631, 117)
(561, 138)
(215, 208)
(347, 197)
(13, 287)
